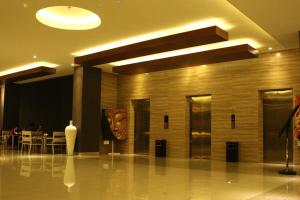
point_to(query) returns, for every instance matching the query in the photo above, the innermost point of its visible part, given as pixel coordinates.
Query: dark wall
(11, 106)
(46, 102)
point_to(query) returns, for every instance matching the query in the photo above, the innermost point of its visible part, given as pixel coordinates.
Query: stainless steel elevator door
(277, 106)
(141, 126)
(200, 127)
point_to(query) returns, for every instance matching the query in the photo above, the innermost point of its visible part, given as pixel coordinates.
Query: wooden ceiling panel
(28, 74)
(168, 43)
(206, 57)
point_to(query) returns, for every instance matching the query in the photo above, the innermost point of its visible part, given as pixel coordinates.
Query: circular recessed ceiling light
(68, 18)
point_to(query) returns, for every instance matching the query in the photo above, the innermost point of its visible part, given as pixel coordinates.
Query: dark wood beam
(168, 43)
(28, 74)
(206, 57)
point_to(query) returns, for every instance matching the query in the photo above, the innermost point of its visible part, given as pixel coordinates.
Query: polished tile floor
(58, 177)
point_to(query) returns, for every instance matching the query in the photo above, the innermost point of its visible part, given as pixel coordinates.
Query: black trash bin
(160, 148)
(232, 151)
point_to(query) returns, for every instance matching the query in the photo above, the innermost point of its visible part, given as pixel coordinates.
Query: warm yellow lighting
(270, 48)
(278, 54)
(27, 67)
(68, 17)
(184, 28)
(272, 92)
(187, 51)
(201, 98)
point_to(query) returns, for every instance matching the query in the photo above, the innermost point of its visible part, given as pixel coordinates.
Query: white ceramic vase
(70, 132)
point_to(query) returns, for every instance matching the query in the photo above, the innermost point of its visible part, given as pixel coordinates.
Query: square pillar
(86, 110)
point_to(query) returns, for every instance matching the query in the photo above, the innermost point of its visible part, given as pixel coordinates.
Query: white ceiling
(22, 36)
(280, 18)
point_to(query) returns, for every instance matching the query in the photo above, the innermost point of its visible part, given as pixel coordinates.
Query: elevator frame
(189, 111)
(261, 121)
(135, 149)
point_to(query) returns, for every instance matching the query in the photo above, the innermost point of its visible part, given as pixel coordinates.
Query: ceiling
(22, 36)
(279, 18)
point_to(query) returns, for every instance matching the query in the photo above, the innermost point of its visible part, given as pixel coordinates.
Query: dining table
(13, 139)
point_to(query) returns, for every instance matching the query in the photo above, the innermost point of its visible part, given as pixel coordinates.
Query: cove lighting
(166, 32)
(68, 18)
(186, 51)
(27, 67)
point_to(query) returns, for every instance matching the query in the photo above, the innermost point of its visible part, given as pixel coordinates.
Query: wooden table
(13, 140)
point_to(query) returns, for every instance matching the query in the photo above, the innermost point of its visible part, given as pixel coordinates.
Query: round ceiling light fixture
(68, 18)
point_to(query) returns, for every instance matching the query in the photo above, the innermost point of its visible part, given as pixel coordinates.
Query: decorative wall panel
(234, 86)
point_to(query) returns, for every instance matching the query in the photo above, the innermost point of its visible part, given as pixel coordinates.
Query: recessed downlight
(68, 18)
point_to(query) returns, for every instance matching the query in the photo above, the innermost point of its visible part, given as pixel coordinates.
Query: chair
(58, 139)
(37, 138)
(4, 137)
(2, 141)
(27, 140)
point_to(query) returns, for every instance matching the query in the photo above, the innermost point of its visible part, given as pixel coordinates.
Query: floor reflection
(39, 176)
(288, 191)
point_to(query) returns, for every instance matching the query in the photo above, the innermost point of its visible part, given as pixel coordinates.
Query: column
(86, 112)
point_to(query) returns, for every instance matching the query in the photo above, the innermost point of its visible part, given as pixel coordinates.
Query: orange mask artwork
(297, 119)
(117, 119)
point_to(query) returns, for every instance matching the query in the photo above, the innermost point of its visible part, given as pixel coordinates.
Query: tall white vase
(70, 132)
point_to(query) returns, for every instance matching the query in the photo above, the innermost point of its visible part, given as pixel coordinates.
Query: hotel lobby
(131, 99)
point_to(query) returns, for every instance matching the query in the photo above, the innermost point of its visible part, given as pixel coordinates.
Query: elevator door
(141, 126)
(277, 105)
(200, 127)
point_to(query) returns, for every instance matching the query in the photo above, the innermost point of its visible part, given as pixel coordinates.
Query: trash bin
(160, 148)
(232, 151)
